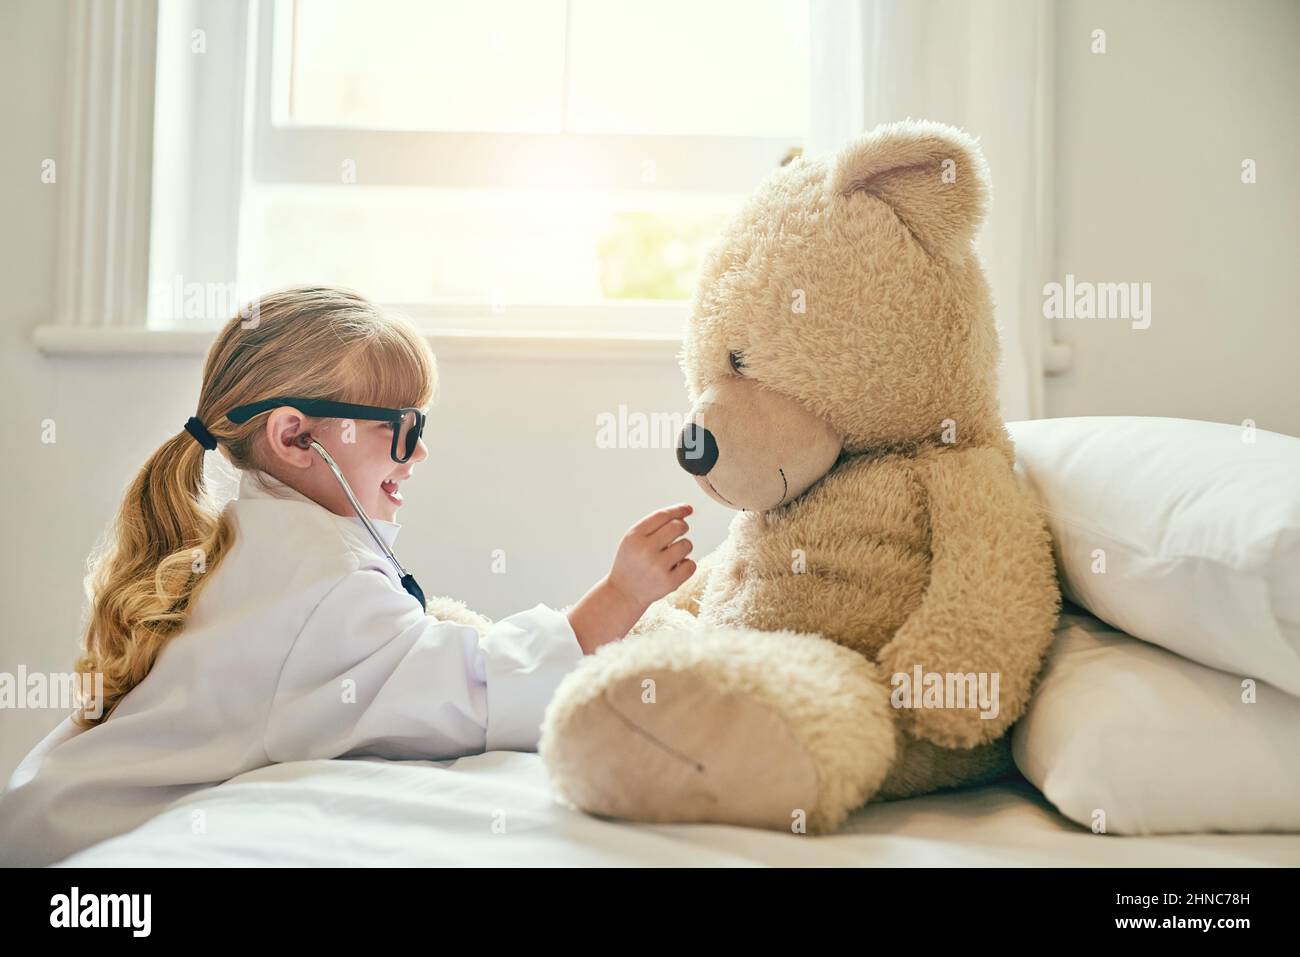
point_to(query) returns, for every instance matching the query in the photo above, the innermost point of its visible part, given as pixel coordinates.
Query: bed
(498, 809)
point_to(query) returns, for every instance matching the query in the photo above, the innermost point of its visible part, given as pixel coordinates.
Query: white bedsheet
(498, 809)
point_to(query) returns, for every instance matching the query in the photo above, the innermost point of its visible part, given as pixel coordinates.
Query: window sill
(68, 341)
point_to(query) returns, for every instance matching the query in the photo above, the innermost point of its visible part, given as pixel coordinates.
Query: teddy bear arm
(690, 593)
(449, 609)
(991, 602)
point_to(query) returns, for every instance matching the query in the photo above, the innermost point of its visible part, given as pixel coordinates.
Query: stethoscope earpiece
(408, 580)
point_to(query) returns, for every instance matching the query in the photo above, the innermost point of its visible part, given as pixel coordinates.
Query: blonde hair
(310, 341)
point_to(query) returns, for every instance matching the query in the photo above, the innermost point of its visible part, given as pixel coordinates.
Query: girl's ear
(288, 439)
(933, 176)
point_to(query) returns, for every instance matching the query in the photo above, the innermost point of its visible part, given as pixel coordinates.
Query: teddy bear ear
(933, 176)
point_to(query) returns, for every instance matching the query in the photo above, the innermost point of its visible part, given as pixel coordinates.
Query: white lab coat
(303, 645)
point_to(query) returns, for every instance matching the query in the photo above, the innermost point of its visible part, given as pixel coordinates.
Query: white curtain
(984, 67)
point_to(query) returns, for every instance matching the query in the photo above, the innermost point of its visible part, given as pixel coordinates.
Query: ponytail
(144, 578)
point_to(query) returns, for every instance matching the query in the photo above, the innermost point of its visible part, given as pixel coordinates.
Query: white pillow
(1157, 743)
(1197, 527)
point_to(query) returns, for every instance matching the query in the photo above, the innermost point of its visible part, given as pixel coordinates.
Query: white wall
(43, 511)
(1150, 139)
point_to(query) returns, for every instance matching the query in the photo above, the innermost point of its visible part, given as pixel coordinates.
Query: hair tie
(201, 434)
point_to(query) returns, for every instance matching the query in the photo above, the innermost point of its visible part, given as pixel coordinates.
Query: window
(512, 164)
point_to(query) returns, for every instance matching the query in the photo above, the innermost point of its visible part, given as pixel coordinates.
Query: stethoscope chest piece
(413, 588)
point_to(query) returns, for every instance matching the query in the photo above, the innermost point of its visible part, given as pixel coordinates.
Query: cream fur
(915, 547)
(451, 609)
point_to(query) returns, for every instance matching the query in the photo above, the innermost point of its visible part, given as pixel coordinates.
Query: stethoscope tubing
(361, 514)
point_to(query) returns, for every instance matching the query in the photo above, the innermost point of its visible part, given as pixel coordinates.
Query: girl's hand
(651, 559)
(651, 562)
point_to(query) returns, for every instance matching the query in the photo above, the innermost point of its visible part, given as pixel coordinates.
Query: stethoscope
(408, 580)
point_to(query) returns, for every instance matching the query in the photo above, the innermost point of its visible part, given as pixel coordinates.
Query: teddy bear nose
(697, 449)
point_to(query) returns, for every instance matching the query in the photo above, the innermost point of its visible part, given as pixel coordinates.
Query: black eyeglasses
(408, 423)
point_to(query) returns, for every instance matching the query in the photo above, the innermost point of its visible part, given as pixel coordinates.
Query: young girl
(277, 629)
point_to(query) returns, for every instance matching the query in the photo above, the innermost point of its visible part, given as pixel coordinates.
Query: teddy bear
(877, 616)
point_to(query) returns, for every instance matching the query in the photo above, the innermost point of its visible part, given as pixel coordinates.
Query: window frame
(184, 152)
(285, 152)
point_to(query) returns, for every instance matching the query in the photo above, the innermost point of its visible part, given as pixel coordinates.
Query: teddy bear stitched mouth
(785, 490)
(719, 494)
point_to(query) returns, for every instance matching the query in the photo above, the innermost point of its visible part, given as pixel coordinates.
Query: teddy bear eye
(737, 360)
